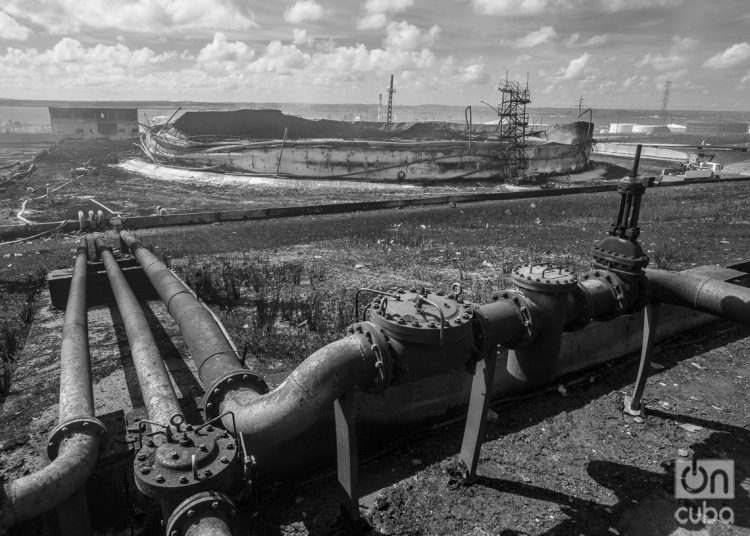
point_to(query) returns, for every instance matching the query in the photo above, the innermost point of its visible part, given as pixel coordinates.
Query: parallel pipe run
(214, 356)
(74, 442)
(702, 293)
(156, 387)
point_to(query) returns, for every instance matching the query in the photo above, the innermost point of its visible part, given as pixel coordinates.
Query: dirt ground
(555, 464)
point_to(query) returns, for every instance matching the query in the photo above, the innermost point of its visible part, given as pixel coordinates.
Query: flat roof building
(88, 123)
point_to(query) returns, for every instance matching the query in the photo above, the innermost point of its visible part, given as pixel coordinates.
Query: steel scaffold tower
(512, 127)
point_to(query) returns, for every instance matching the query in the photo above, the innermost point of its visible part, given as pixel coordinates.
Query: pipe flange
(482, 340)
(215, 393)
(618, 291)
(64, 430)
(374, 344)
(525, 311)
(198, 459)
(206, 501)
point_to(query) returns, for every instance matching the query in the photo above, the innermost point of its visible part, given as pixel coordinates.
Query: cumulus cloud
(10, 28)
(142, 16)
(377, 11)
(661, 62)
(514, 7)
(623, 5)
(574, 41)
(220, 54)
(303, 10)
(575, 68)
(745, 79)
(405, 36)
(373, 21)
(734, 55)
(301, 38)
(536, 38)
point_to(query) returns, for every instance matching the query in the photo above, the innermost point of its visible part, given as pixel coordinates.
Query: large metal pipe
(275, 416)
(701, 292)
(212, 353)
(294, 405)
(74, 443)
(156, 387)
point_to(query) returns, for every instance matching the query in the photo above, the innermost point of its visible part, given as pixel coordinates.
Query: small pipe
(637, 160)
(34, 494)
(156, 387)
(702, 293)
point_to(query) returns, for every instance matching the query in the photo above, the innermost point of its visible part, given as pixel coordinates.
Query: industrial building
(88, 123)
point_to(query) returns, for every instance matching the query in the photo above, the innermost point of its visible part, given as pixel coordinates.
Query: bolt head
(224, 459)
(174, 455)
(183, 480)
(191, 513)
(202, 447)
(159, 479)
(141, 457)
(208, 473)
(215, 505)
(230, 446)
(209, 428)
(145, 470)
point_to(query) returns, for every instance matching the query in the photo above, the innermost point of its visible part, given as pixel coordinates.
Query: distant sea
(36, 118)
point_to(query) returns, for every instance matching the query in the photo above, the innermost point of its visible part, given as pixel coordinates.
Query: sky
(615, 53)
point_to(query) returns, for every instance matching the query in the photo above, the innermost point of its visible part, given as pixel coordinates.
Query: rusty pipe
(156, 387)
(320, 379)
(74, 443)
(702, 293)
(295, 404)
(212, 353)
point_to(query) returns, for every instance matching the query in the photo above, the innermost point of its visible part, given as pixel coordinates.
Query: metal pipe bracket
(64, 430)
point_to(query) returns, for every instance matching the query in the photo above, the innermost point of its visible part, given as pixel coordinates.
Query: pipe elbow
(34, 494)
(297, 402)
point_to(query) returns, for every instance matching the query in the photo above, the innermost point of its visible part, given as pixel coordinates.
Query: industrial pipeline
(404, 335)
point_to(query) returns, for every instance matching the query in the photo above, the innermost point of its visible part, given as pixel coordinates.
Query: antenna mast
(391, 91)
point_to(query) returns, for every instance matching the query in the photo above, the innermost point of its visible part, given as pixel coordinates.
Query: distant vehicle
(698, 166)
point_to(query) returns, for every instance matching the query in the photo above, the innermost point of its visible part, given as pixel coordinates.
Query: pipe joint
(200, 505)
(85, 425)
(232, 380)
(376, 349)
(604, 293)
(527, 316)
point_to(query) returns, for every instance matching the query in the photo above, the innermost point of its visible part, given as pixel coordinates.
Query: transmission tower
(391, 91)
(665, 102)
(513, 123)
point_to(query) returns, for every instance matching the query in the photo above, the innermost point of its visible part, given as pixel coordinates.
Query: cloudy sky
(617, 53)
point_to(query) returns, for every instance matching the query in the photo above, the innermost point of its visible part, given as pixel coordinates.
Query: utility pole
(380, 104)
(665, 102)
(391, 91)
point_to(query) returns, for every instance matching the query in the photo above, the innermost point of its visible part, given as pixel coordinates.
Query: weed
(9, 342)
